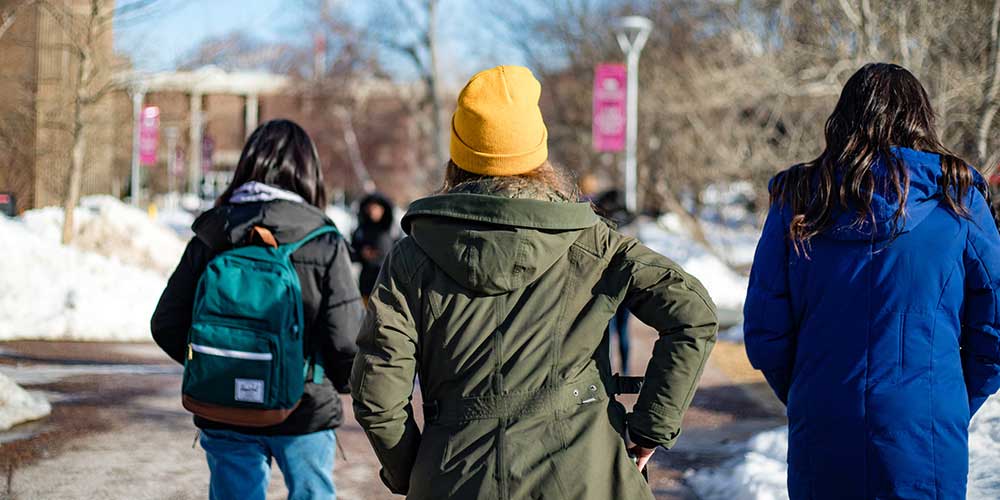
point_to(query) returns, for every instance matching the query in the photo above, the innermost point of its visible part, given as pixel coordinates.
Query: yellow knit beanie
(497, 128)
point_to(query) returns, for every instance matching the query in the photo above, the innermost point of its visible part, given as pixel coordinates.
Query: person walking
(498, 300)
(373, 238)
(276, 198)
(872, 308)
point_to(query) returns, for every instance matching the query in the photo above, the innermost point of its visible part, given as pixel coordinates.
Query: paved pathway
(118, 430)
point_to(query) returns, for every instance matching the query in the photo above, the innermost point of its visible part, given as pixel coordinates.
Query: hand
(642, 455)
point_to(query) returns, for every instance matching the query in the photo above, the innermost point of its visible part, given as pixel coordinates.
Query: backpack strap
(313, 363)
(290, 248)
(261, 236)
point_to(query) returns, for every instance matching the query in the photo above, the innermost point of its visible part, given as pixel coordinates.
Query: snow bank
(106, 226)
(177, 220)
(727, 287)
(49, 291)
(734, 243)
(343, 218)
(984, 452)
(760, 472)
(18, 406)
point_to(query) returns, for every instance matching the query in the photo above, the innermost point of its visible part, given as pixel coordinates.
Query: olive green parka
(500, 307)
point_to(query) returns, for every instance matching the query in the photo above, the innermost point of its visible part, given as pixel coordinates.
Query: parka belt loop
(587, 390)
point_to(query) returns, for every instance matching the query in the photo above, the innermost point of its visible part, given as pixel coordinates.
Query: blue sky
(159, 39)
(173, 28)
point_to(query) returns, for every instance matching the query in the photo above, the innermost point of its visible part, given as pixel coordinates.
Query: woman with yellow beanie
(499, 299)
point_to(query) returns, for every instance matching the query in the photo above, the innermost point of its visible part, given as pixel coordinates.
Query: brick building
(39, 71)
(209, 111)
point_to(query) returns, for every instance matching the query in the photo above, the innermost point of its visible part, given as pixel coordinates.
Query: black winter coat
(379, 236)
(330, 298)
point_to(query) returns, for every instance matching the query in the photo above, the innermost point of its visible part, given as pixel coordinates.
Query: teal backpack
(246, 363)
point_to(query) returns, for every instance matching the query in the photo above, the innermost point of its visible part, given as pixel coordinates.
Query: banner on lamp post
(609, 108)
(149, 135)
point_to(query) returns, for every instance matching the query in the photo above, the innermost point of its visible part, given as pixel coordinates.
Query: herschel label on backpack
(245, 362)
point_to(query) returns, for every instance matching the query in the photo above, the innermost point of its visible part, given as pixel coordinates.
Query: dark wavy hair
(281, 154)
(882, 106)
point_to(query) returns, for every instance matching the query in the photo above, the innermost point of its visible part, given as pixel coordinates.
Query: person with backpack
(873, 309)
(263, 311)
(373, 238)
(498, 300)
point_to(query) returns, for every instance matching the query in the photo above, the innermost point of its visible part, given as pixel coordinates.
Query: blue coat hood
(923, 197)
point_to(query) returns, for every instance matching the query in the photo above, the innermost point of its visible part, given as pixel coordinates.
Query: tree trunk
(991, 95)
(75, 181)
(693, 225)
(433, 82)
(354, 150)
(84, 76)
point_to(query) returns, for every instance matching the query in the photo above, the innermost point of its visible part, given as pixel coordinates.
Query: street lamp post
(633, 31)
(138, 94)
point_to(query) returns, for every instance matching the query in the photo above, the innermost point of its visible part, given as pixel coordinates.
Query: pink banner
(149, 135)
(609, 108)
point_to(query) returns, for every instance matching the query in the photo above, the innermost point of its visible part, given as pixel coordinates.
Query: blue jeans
(619, 326)
(240, 464)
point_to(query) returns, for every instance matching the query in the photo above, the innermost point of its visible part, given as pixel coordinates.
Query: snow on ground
(758, 474)
(734, 244)
(727, 287)
(50, 291)
(729, 222)
(760, 471)
(984, 452)
(18, 406)
(106, 226)
(732, 229)
(178, 220)
(343, 217)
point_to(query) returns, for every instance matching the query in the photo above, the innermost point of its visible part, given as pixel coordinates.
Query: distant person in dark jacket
(373, 239)
(277, 186)
(873, 308)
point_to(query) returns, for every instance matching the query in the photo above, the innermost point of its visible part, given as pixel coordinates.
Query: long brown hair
(882, 106)
(547, 182)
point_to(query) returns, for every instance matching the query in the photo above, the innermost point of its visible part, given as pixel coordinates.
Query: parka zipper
(499, 389)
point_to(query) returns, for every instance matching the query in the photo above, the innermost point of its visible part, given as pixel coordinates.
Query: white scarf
(254, 191)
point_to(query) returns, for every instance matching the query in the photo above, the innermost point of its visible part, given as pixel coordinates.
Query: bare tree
(735, 91)
(409, 29)
(88, 42)
(991, 95)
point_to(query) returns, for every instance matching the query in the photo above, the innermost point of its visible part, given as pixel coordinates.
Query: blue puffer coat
(882, 348)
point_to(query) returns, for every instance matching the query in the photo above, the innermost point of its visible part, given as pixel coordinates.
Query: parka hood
(226, 225)
(493, 244)
(924, 196)
(388, 218)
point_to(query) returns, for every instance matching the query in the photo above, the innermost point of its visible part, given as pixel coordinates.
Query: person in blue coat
(873, 309)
